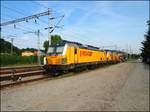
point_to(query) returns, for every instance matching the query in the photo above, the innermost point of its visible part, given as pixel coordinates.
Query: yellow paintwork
(53, 60)
(57, 60)
(109, 56)
(82, 56)
(85, 55)
(70, 55)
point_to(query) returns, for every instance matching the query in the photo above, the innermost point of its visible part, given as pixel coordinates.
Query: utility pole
(49, 36)
(127, 50)
(12, 39)
(51, 29)
(37, 33)
(38, 43)
(130, 52)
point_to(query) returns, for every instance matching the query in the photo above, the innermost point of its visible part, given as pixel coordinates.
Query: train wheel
(56, 74)
(65, 71)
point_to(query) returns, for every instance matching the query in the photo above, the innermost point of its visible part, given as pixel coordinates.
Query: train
(70, 56)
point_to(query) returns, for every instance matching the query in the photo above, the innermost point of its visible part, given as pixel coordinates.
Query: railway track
(10, 76)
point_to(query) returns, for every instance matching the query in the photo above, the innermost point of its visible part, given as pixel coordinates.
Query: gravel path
(123, 86)
(134, 96)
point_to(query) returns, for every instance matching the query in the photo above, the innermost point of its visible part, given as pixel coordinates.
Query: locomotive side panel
(70, 55)
(85, 55)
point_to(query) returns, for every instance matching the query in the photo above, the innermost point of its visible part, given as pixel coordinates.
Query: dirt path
(110, 88)
(134, 96)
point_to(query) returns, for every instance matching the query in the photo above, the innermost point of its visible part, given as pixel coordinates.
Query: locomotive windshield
(55, 50)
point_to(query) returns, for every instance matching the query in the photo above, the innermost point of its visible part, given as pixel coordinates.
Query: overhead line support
(26, 18)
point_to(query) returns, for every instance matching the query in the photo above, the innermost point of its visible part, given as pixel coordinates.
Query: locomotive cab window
(50, 50)
(59, 49)
(56, 50)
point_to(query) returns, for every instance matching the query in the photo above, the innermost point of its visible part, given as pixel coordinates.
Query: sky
(117, 25)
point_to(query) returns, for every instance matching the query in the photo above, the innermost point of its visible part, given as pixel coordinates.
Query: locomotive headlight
(44, 61)
(64, 61)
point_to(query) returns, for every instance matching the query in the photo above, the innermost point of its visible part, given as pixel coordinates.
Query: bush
(8, 59)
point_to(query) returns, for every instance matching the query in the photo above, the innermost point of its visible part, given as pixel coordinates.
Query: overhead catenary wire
(20, 12)
(77, 36)
(13, 10)
(1, 18)
(81, 36)
(10, 17)
(92, 42)
(24, 29)
(7, 16)
(21, 28)
(24, 26)
(57, 23)
(37, 23)
(35, 16)
(39, 4)
(46, 7)
(16, 27)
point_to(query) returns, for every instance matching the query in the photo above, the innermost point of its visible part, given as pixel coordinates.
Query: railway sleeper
(19, 76)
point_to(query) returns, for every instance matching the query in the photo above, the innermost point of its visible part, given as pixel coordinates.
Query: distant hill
(5, 47)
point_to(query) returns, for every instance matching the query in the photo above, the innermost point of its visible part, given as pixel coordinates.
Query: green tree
(5, 47)
(28, 49)
(55, 39)
(146, 46)
(45, 45)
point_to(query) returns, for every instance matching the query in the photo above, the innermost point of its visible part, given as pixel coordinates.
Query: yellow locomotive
(72, 55)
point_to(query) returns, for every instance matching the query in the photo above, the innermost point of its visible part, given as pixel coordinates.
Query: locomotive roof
(63, 42)
(80, 45)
